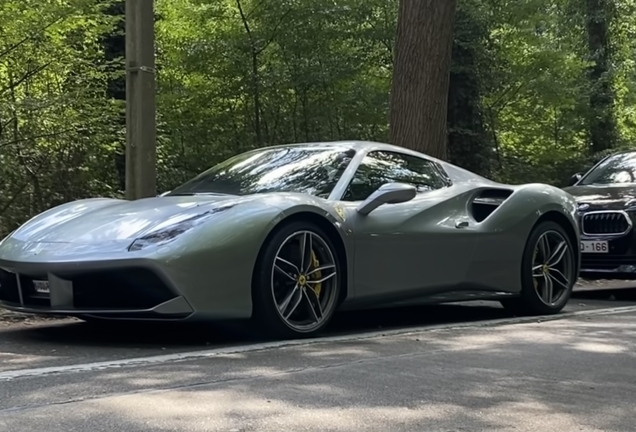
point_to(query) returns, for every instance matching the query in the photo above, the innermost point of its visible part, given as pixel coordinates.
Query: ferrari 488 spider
(288, 235)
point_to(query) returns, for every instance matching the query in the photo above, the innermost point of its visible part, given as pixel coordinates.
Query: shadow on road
(153, 335)
(568, 375)
(173, 335)
(620, 294)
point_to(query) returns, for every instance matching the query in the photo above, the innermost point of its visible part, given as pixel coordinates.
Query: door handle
(462, 224)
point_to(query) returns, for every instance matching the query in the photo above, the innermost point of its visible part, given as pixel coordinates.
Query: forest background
(539, 89)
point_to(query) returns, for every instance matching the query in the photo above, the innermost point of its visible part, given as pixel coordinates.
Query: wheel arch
(327, 223)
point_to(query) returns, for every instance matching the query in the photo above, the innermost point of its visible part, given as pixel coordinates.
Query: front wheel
(548, 272)
(297, 282)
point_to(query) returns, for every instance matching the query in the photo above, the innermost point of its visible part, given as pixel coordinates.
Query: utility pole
(141, 132)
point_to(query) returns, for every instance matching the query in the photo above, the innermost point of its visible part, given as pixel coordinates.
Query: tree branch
(25, 77)
(31, 36)
(384, 42)
(49, 135)
(254, 9)
(496, 110)
(245, 23)
(273, 35)
(23, 185)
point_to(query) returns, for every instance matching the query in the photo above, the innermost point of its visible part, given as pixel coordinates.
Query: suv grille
(609, 223)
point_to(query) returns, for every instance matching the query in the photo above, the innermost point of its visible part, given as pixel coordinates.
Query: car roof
(621, 152)
(356, 145)
(456, 173)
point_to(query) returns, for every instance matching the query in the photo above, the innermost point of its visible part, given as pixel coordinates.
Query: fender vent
(487, 201)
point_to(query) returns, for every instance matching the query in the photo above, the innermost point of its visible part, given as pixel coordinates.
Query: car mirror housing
(574, 179)
(389, 193)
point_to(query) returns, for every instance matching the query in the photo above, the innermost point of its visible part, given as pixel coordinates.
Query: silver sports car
(288, 235)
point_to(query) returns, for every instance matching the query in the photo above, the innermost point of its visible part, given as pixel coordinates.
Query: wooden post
(141, 132)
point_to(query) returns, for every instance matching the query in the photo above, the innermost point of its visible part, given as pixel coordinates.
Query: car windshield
(314, 170)
(617, 169)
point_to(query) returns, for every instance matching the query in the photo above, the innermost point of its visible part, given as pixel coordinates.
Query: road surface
(444, 368)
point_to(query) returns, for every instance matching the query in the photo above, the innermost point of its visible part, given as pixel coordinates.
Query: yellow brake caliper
(317, 275)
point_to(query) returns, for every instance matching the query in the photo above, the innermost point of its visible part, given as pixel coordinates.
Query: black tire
(266, 318)
(529, 302)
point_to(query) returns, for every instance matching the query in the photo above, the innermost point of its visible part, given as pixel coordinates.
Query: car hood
(106, 220)
(604, 197)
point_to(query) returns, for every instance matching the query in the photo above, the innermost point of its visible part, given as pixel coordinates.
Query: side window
(381, 167)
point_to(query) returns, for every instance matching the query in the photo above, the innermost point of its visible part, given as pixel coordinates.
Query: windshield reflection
(314, 170)
(618, 169)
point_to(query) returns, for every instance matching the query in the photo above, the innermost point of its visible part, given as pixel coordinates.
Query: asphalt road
(445, 368)
(40, 342)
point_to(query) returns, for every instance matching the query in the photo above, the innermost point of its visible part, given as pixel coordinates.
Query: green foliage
(537, 105)
(469, 143)
(320, 69)
(233, 75)
(54, 120)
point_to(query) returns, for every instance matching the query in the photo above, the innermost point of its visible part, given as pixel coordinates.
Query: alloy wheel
(304, 281)
(552, 267)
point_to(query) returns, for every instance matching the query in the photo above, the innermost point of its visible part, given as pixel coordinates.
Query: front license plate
(41, 287)
(594, 246)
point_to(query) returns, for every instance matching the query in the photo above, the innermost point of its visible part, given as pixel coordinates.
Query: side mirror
(574, 179)
(164, 194)
(390, 193)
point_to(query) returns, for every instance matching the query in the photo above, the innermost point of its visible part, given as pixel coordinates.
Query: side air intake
(487, 201)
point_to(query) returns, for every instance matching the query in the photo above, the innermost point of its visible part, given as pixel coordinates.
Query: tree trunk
(255, 76)
(469, 145)
(114, 46)
(419, 95)
(602, 125)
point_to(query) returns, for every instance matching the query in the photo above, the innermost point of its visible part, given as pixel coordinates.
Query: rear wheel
(548, 272)
(297, 282)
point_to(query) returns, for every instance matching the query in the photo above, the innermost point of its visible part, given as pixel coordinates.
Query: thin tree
(419, 94)
(603, 134)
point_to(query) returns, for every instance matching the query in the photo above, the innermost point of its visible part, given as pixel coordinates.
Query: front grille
(135, 288)
(30, 295)
(608, 223)
(9, 287)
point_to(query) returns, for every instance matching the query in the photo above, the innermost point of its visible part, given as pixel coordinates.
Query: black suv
(606, 196)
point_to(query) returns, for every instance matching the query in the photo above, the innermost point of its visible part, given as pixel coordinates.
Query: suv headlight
(173, 228)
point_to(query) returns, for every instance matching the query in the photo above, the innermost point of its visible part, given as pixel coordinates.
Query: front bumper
(618, 263)
(130, 289)
(619, 260)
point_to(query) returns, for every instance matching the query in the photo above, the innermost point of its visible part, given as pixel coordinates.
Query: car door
(410, 248)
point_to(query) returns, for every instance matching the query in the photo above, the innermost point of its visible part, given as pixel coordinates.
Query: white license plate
(41, 287)
(594, 246)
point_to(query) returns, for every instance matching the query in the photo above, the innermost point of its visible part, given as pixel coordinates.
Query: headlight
(172, 228)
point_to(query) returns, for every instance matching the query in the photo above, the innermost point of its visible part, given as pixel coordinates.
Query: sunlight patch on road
(600, 347)
(237, 350)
